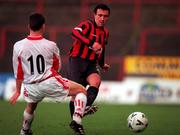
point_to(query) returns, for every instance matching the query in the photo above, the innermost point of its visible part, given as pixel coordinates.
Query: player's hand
(14, 98)
(97, 47)
(105, 67)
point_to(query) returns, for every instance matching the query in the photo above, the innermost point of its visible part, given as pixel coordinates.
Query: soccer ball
(137, 122)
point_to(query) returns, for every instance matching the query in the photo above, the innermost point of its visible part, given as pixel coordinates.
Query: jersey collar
(35, 38)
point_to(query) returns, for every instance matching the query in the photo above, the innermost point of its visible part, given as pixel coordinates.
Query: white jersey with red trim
(34, 59)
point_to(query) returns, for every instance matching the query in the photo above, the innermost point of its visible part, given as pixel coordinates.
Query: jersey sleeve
(15, 62)
(56, 58)
(80, 31)
(17, 65)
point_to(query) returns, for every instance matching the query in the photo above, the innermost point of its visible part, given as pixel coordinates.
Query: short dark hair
(101, 6)
(36, 21)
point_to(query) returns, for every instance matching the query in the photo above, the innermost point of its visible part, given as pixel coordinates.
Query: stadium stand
(137, 27)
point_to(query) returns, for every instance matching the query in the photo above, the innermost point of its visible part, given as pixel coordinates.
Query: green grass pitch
(54, 119)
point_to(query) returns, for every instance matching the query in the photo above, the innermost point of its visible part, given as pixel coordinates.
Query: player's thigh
(55, 87)
(75, 88)
(93, 75)
(76, 69)
(32, 94)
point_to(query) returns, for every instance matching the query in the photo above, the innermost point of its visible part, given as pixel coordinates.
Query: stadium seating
(136, 27)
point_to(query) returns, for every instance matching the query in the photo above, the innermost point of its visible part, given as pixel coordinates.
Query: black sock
(91, 95)
(71, 108)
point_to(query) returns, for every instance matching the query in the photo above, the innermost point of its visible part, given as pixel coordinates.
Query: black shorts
(79, 69)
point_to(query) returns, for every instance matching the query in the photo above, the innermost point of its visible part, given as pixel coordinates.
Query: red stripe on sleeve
(55, 62)
(85, 51)
(78, 35)
(92, 56)
(20, 74)
(75, 50)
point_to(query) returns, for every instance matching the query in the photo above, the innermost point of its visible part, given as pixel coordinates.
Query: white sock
(27, 120)
(79, 104)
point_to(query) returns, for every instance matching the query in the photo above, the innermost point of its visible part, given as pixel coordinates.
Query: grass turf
(54, 119)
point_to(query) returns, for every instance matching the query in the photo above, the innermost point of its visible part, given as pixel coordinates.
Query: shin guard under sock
(91, 95)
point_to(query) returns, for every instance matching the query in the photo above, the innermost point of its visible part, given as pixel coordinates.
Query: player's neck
(36, 33)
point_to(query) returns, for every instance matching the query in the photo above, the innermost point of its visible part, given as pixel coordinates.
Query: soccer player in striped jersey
(88, 53)
(36, 62)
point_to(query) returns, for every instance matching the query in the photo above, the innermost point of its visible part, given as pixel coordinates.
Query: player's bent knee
(96, 83)
(83, 90)
(76, 90)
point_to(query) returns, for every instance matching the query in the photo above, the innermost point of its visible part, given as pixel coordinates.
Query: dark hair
(101, 6)
(36, 20)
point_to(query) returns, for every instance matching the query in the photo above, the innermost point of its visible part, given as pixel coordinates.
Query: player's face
(101, 17)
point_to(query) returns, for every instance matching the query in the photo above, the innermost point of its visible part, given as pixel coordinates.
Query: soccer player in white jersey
(36, 62)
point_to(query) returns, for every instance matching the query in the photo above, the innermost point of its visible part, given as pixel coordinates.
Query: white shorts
(54, 87)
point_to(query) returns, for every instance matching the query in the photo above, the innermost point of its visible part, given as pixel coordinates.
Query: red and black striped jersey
(84, 35)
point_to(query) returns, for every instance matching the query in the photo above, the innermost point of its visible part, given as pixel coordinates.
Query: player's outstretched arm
(17, 93)
(14, 98)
